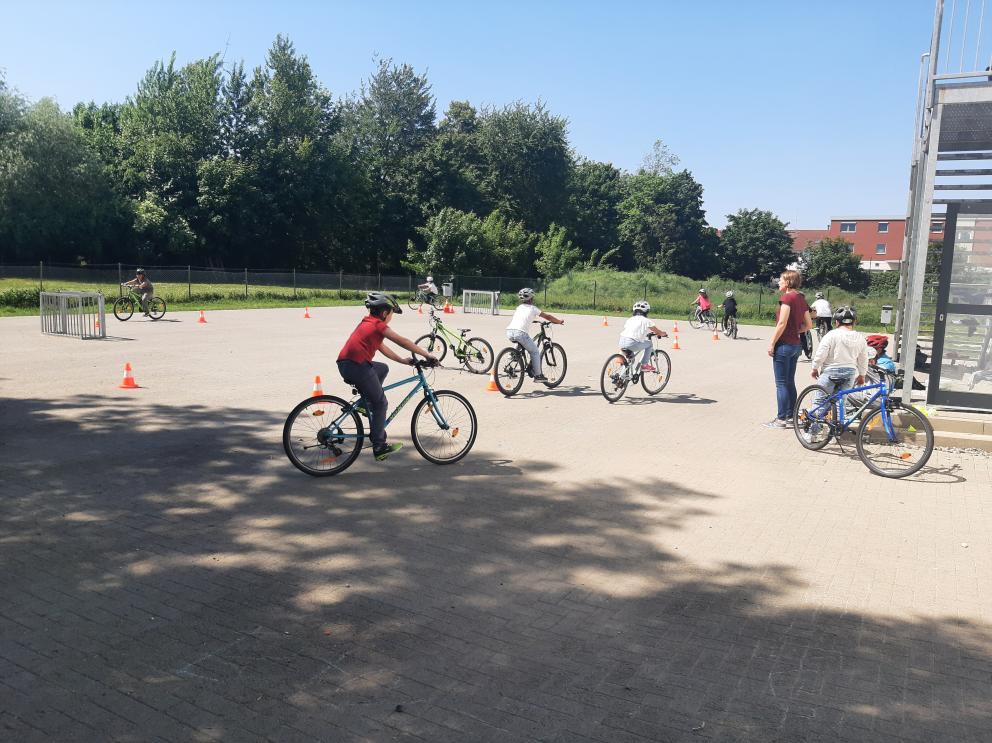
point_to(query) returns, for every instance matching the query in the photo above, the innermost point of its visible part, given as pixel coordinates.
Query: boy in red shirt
(359, 370)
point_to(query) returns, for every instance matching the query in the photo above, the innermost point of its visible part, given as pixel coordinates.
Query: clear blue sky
(803, 108)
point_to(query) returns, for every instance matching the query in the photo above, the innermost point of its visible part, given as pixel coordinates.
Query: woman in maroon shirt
(793, 319)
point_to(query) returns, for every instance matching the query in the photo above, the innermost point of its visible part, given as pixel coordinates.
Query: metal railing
(76, 314)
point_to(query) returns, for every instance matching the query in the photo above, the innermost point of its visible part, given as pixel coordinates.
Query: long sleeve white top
(842, 347)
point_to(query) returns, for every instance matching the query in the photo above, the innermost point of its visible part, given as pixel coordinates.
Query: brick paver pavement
(655, 570)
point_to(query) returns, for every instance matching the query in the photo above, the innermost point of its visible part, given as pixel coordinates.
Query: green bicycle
(124, 306)
(475, 353)
(324, 435)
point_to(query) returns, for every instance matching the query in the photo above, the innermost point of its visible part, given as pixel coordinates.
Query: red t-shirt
(364, 341)
(797, 317)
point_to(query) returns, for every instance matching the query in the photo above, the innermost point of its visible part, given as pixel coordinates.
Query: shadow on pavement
(170, 574)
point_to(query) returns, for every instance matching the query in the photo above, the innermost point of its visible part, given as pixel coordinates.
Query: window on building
(883, 226)
(847, 226)
(936, 226)
(880, 249)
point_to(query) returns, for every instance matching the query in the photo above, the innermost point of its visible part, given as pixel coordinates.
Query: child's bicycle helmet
(381, 299)
(642, 307)
(729, 294)
(525, 294)
(846, 316)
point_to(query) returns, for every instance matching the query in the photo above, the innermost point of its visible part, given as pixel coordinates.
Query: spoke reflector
(317, 413)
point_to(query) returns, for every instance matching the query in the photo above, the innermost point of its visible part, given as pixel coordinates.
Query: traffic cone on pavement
(676, 328)
(202, 320)
(675, 345)
(491, 387)
(420, 309)
(306, 314)
(606, 323)
(128, 382)
(716, 335)
(317, 389)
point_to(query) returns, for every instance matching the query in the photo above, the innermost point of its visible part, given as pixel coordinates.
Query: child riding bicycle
(842, 356)
(824, 314)
(357, 368)
(729, 306)
(704, 303)
(634, 336)
(516, 331)
(142, 284)
(429, 288)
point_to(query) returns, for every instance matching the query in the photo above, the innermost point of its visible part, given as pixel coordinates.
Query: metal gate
(76, 314)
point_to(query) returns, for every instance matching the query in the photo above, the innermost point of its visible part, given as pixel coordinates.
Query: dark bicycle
(624, 368)
(420, 297)
(513, 363)
(729, 326)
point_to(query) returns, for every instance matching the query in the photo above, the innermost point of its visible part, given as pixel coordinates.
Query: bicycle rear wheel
(156, 308)
(554, 363)
(478, 355)
(814, 418)
(323, 436)
(615, 377)
(123, 309)
(433, 344)
(654, 382)
(897, 447)
(806, 339)
(437, 301)
(694, 322)
(710, 319)
(733, 325)
(444, 445)
(510, 371)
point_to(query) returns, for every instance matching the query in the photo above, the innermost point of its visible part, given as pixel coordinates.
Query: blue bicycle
(893, 440)
(324, 434)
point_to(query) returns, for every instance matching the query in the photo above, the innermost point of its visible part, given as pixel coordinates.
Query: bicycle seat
(627, 352)
(464, 330)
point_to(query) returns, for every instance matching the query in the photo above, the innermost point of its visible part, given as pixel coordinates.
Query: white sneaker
(776, 423)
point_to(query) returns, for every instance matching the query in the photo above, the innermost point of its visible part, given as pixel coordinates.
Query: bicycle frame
(836, 400)
(439, 328)
(419, 382)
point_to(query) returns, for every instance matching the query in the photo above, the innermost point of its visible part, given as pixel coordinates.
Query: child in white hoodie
(842, 356)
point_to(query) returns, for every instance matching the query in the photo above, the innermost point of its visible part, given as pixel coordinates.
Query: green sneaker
(385, 451)
(360, 409)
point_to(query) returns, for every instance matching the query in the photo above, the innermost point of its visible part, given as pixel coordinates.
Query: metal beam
(965, 156)
(962, 171)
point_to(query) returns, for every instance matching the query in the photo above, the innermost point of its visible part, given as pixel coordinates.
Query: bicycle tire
(734, 322)
(123, 309)
(478, 356)
(806, 340)
(415, 302)
(321, 439)
(437, 302)
(510, 371)
(614, 377)
(907, 423)
(711, 321)
(694, 321)
(457, 412)
(553, 359)
(434, 345)
(662, 362)
(156, 308)
(813, 432)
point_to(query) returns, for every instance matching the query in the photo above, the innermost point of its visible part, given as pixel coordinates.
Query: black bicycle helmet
(846, 316)
(381, 299)
(138, 270)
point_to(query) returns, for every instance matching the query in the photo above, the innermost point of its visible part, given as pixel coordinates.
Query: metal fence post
(41, 275)
(294, 282)
(645, 290)
(189, 282)
(759, 300)
(120, 279)
(246, 283)
(594, 294)
(545, 292)
(340, 284)
(379, 280)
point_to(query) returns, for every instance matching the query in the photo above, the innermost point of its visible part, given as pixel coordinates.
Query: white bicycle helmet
(729, 294)
(525, 294)
(642, 306)
(702, 291)
(430, 278)
(846, 315)
(819, 295)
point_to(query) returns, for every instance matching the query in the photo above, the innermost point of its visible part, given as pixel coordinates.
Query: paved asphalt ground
(661, 569)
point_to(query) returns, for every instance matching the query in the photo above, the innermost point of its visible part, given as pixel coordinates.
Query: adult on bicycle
(704, 304)
(729, 306)
(516, 331)
(357, 368)
(145, 286)
(824, 314)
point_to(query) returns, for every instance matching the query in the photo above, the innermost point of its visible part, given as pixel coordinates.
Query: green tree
(556, 255)
(660, 161)
(754, 243)
(831, 262)
(451, 167)
(595, 191)
(509, 246)
(663, 225)
(453, 242)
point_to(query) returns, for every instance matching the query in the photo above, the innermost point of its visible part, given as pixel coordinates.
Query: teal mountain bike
(324, 435)
(474, 353)
(893, 440)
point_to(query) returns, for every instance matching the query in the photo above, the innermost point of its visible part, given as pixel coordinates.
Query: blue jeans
(837, 378)
(519, 336)
(367, 379)
(784, 364)
(629, 344)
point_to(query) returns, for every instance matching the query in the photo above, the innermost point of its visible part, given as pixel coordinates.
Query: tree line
(224, 166)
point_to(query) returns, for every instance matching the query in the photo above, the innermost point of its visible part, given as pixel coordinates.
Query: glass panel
(971, 267)
(966, 365)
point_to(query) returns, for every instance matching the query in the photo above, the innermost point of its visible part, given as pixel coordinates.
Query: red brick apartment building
(876, 240)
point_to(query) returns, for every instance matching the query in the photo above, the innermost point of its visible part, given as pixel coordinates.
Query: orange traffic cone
(491, 387)
(606, 323)
(98, 323)
(676, 328)
(420, 309)
(317, 389)
(675, 345)
(202, 320)
(448, 309)
(716, 335)
(306, 314)
(128, 382)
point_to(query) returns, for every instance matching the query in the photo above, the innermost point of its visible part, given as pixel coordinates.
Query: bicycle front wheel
(554, 364)
(510, 371)
(614, 379)
(478, 355)
(156, 308)
(448, 440)
(814, 418)
(733, 325)
(323, 436)
(415, 302)
(694, 322)
(710, 321)
(654, 382)
(123, 309)
(434, 345)
(895, 443)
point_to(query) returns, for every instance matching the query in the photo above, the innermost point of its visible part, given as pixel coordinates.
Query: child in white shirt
(842, 356)
(634, 336)
(516, 331)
